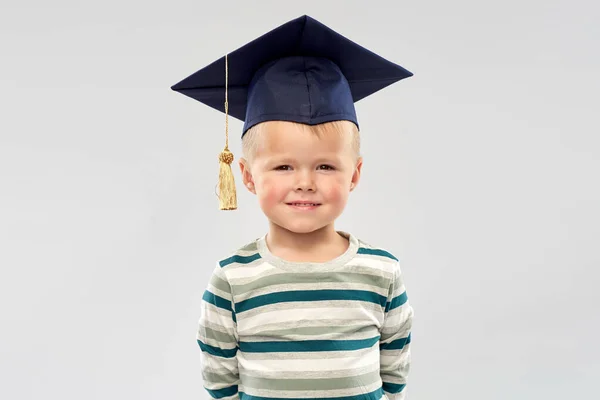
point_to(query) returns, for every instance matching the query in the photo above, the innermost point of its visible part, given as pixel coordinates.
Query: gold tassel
(227, 192)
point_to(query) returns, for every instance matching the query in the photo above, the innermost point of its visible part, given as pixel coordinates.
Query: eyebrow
(289, 160)
(280, 160)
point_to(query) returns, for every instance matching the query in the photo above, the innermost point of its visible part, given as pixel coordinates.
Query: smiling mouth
(304, 204)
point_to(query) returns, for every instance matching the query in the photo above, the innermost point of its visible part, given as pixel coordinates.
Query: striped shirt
(274, 329)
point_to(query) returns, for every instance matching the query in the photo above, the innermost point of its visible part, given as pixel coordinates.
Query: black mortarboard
(301, 71)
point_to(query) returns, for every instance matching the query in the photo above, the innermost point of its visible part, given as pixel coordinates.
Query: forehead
(279, 137)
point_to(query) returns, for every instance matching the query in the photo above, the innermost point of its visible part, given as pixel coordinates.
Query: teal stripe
(216, 351)
(396, 302)
(239, 259)
(393, 387)
(376, 252)
(310, 295)
(217, 301)
(307, 345)
(375, 395)
(219, 394)
(397, 344)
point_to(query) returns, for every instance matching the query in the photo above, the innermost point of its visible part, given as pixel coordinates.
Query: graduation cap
(301, 71)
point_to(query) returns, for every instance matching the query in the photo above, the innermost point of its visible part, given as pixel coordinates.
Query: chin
(298, 223)
(303, 229)
(300, 226)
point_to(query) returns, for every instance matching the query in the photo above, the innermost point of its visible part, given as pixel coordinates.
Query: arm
(394, 343)
(217, 338)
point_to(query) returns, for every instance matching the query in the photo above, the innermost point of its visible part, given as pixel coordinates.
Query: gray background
(481, 174)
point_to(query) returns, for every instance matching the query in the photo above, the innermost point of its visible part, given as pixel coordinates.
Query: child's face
(291, 164)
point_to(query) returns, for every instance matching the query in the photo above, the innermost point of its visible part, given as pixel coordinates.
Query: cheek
(271, 191)
(335, 190)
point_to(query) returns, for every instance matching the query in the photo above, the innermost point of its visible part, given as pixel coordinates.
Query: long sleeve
(394, 343)
(218, 340)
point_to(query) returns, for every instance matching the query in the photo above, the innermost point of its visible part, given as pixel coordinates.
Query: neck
(286, 240)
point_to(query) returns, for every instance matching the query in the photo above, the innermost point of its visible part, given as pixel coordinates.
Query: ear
(247, 175)
(356, 174)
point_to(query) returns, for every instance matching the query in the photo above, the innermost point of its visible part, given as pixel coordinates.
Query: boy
(305, 311)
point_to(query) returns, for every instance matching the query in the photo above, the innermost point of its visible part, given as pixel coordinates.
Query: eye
(326, 167)
(283, 168)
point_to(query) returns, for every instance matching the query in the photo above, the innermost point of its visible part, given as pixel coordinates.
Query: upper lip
(303, 202)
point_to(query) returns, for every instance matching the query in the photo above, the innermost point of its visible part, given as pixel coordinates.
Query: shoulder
(368, 250)
(379, 256)
(244, 254)
(385, 261)
(376, 251)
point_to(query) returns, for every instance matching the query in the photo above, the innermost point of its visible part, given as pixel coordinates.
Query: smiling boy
(306, 311)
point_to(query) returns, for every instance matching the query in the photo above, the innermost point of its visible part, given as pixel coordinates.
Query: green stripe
(239, 259)
(376, 252)
(227, 377)
(320, 383)
(220, 284)
(375, 395)
(397, 344)
(393, 387)
(310, 295)
(222, 337)
(315, 330)
(219, 394)
(216, 300)
(396, 302)
(216, 351)
(307, 345)
(252, 246)
(311, 278)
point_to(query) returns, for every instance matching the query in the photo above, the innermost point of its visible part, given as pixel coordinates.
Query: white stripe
(216, 315)
(265, 367)
(218, 364)
(237, 271)
(287, 394)
(395, 357)
(398, 316)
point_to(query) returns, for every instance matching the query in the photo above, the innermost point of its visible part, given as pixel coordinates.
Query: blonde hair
(250, 140)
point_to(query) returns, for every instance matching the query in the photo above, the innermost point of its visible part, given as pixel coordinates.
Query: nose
(305, 181)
